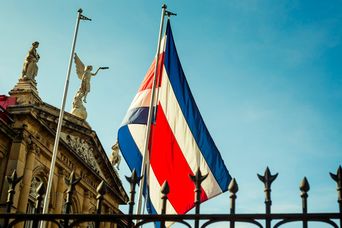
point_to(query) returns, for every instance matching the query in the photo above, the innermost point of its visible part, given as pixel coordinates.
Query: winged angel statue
(84, 73)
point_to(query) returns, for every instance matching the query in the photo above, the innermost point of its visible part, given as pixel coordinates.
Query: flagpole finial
(80, 10)
(164, 6)
(169, 13)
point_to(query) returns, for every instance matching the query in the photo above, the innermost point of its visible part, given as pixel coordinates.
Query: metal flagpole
(145, 162)
(61, 115)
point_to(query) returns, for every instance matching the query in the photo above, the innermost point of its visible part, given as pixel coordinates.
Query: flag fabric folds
(179, 141)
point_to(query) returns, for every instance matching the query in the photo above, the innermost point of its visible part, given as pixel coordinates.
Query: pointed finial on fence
(72, 180)
(12, 180)
(101, 188)
(338, 179)
(133, 180)
(198, 179)
(165, 190)
(39, 198)
(304, 188)
(233, 188)
(71, 183)
(267, 179)
(101, 191)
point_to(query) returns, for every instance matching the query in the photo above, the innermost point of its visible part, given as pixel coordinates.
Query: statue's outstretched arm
(100, 68)
(96, 71)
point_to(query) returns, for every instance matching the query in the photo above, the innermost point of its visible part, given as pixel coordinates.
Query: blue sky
(266, 76)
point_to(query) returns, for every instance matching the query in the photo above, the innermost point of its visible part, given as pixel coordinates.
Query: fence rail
(267, 219)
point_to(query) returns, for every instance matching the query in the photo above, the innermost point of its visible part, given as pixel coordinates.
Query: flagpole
(61, 115)
(145, 162)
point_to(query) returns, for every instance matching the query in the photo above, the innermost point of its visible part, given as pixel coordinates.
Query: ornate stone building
(27, 134)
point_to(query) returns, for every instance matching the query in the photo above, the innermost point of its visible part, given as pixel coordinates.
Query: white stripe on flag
(155, 195)
(138, 132)
(141, 99)
(184, 136)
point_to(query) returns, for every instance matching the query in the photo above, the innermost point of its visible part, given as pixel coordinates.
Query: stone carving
(84, 73)
(30, 68)
(84, 150)
(115, 158)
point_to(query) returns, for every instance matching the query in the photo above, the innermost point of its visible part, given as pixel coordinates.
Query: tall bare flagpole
(145, 162)
(61, 115)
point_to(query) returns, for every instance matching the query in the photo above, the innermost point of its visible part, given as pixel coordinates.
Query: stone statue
(30, 68)
(115, 159)
(84, 73)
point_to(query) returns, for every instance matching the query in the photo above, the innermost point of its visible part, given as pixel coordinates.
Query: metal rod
(145, 162)
(60, 120)
(267, 179)
(304, 188)
(233, 189)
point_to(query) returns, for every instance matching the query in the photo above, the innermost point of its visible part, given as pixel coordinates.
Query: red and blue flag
(179, 141)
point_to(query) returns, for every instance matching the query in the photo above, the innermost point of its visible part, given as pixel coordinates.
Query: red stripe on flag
(168, 163)
(148, 80)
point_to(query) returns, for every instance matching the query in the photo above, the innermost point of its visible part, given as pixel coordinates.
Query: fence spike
(12, 180)
(198, 179)
(304, 188)
(101, 188)
(338, 179)
(39, 198)
(165, 190)
(233, 188)
(101, 191)
(71, 183)
(267, 179)
(304, 185)
(133, 180)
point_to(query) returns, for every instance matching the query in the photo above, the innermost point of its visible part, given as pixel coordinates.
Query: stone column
(60, 191)
(80, 190)
(27, 179)
(85, 206)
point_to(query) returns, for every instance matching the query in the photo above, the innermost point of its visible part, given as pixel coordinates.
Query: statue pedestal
(80, 112)
(26, 92)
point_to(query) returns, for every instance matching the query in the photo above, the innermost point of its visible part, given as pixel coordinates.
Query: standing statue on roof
(30, 68)
(115, 158)
(84, 73)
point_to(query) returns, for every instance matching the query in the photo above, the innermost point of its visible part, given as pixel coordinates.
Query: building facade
(27, 134)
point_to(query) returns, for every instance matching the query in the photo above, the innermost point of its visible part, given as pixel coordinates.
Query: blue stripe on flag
(131, 152)
(136, 116)
(192, 115)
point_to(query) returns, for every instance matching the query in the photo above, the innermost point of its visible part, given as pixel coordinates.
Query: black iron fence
(267, 219)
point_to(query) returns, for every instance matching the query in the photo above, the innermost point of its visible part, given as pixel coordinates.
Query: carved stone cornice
(84, 149)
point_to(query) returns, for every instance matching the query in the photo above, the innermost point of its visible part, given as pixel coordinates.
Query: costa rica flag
(179, 142)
